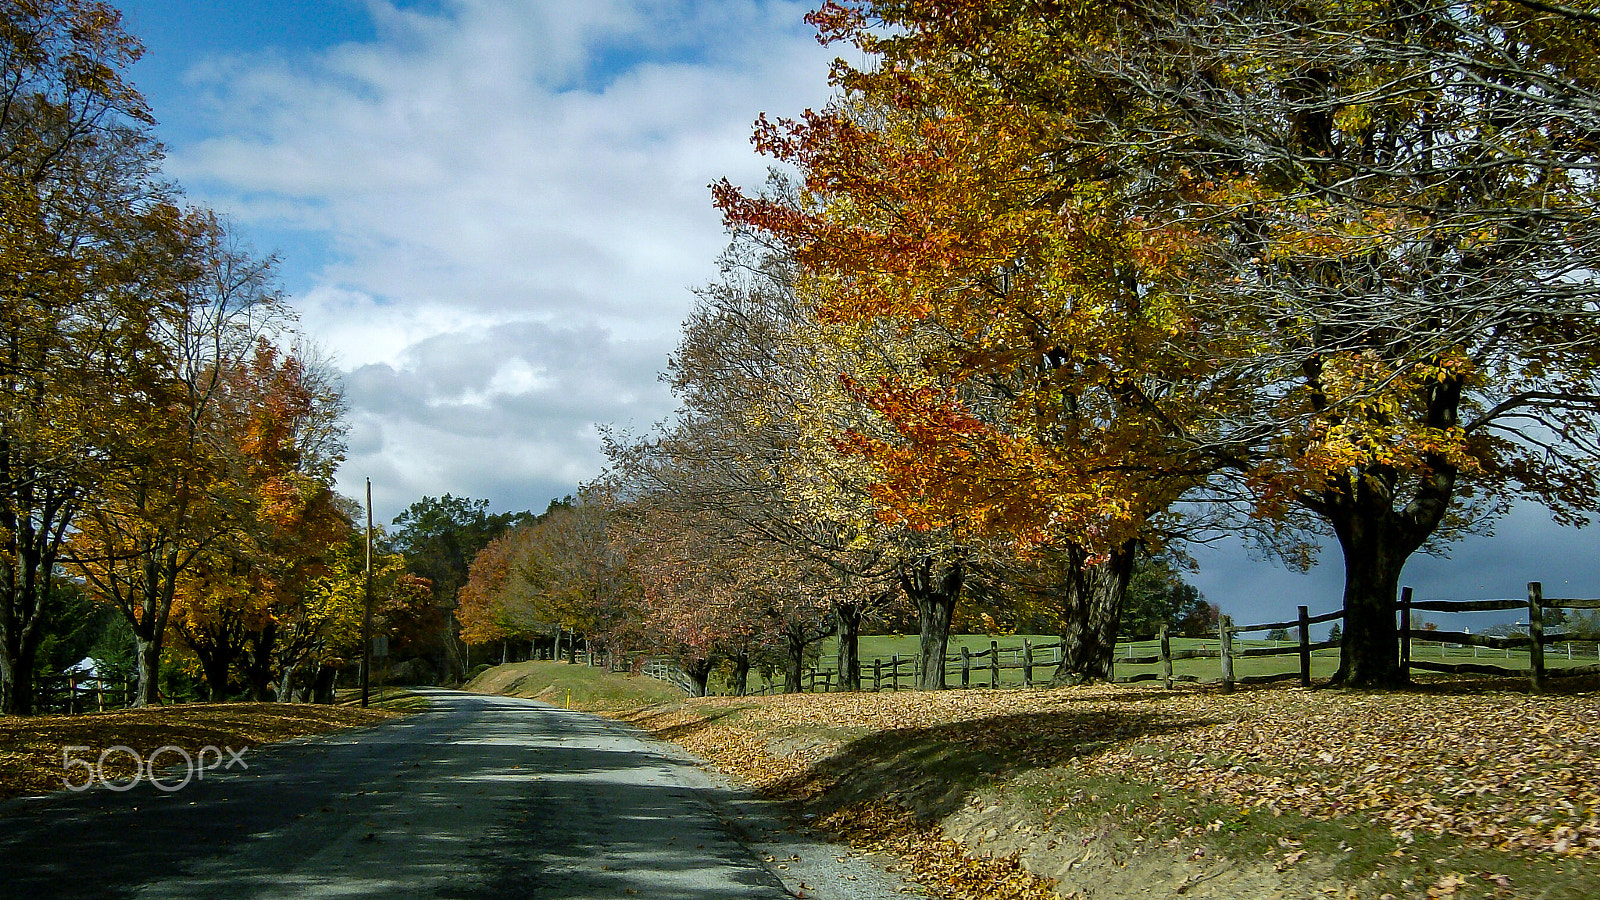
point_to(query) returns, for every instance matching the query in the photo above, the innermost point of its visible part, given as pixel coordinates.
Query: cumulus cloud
(514, 201)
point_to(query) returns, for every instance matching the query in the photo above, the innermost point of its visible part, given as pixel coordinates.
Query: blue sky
(491, 215)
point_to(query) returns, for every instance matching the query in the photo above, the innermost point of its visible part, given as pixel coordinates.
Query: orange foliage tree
(245, 599)
(1344, 255)
(1058, 395)
(84, 227)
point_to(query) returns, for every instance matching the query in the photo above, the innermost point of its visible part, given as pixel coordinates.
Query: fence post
(877, 674)
(966, 666)
(1225, 636)
(1536, 633)
(894, 670)
(1405, 632)
(1305, 647)
(994, 664)
(1166, 657)
(1027, 663)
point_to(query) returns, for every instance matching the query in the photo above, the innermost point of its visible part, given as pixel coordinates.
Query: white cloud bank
(513, 197)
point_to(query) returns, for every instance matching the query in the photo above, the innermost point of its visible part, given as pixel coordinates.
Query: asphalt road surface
(480, 797)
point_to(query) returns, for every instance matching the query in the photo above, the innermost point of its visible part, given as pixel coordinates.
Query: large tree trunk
(741, 673)
(1369, 651)
(794, 662)
(847, 626)
(147, 662)
(258, 663)
(934, 588)
(1094, 614)
(17, 690)
(1377, 535)
(323, 689)
(20, 636)
(215, 665)
(160, 584)
(699, 673)
(286, 685)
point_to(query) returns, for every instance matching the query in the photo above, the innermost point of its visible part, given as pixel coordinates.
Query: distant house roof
(87, 666)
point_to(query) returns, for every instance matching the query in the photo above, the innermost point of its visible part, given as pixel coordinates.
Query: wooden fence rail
(1535, 640)
(982, 668)
(78, 693)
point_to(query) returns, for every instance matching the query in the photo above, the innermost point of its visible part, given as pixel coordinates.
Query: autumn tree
(753, 455)
(1055, 390)
(80, 198)
(483, 606)
(1345, 252)
(285, 414)
(564, 570)
(760, 383)
(176, 487)
(439, 538)
(332, 613)
(694, 605)
(1398, 217)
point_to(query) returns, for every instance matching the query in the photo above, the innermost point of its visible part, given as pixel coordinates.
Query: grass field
(578, 686)
(883, 649)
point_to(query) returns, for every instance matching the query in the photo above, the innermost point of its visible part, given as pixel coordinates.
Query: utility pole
(366, 615)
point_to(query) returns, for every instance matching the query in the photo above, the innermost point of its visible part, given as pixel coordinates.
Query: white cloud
(528, 171)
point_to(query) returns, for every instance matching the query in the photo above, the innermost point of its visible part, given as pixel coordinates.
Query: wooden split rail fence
(1534, 641)
(982, 668)
(77, 693)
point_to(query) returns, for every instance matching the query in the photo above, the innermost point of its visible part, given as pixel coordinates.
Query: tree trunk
(8, 691)
(1369, 650)
(17, 692)
(847, 626)
(148, 664)
(215, 665)
(258, 662)
(741, 673)
(323, 688)
(1377, 535)
(286, 685)
(699, 673)
(794, 662)
(1094, 615)
(934, 588)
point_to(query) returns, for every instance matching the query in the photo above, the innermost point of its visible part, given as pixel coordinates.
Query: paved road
(480, 797)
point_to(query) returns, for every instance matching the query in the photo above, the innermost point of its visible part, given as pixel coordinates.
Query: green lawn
(883, 649)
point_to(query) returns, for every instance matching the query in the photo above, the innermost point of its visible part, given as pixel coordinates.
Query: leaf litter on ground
(1501, 769)
(32, 748)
